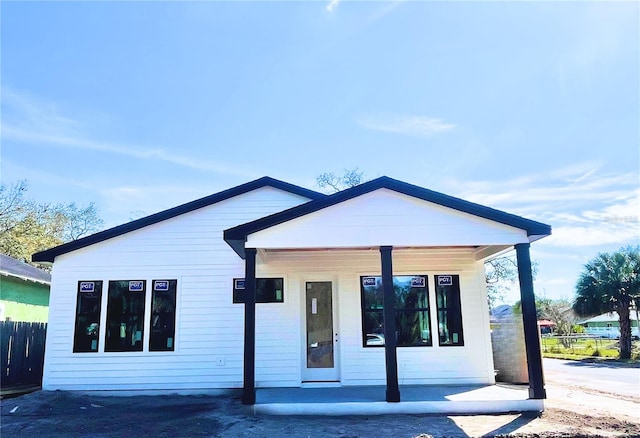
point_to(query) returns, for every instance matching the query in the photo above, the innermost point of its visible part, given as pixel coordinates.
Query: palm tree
(608, 283)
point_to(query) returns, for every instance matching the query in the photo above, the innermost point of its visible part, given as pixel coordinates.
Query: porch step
(369, 400)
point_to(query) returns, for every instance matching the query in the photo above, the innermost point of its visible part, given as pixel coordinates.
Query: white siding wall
(385, 217)
(471, 363)
(209, 327)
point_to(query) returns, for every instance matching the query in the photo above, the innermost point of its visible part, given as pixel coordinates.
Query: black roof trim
(50, 254)
(237, 236)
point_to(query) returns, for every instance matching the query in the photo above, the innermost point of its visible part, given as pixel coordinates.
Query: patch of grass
(583, 348)
(631, 362)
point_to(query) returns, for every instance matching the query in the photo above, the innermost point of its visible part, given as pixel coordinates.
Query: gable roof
(50, 254)
(16, 268)
(610, 317)
(237, 236)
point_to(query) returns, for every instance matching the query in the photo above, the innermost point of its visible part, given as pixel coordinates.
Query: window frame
(238, 289)
(172, 287)
(455, 307)
(109, 342)
(398, 310)
(96, 288)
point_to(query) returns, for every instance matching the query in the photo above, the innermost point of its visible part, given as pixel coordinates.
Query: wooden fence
(21, 353)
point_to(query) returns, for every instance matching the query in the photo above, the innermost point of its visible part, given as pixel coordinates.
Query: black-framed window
(449, 310)
(87, 328)
(268, 290)
(412, 321)
(125, 315)
(163, 315)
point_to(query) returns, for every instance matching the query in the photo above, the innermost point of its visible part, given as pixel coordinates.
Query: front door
(320, 356)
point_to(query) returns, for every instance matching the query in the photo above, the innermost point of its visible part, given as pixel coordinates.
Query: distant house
(546, 326)
(607, 325)
(268, 284)
(24, 291)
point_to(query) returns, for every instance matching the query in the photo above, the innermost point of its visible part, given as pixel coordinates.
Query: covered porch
(391, 221)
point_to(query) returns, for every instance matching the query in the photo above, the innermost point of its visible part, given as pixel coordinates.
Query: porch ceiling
(479, 252)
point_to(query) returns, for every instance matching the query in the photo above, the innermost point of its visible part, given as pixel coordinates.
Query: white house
(272, 285)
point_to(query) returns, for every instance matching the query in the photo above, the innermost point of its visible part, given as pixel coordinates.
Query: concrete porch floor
(370, 400)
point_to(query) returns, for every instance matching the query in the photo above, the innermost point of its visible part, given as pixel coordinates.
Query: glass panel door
(320, 357)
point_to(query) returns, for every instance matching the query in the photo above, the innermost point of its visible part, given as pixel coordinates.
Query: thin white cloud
(538, 189)
(12, 171)
(26, 112)
(585, 207)
(383, 11)
(411, 125)
(333, 4)
(605, 32)
(599, 233)
(30, 120)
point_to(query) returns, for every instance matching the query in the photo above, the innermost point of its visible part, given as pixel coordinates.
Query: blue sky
(528, 107)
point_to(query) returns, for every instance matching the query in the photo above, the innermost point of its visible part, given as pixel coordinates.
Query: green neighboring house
(607, 325)
(24, 291)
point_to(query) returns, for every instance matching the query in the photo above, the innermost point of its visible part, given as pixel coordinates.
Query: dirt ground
(570, 412)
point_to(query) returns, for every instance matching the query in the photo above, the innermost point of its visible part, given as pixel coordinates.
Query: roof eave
(49, 255)
(535, 230)
(24, 278)
(237, 245)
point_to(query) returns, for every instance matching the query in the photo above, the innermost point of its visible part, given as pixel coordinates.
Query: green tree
(611, 283)
(27, 226)
(540, 304)
(562, 314)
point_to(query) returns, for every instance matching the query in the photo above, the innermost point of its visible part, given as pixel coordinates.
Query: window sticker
(418, 282)
(136, 286)
(87, 286)
(239, 283)
(368, 281)
(445, 280)
(161, 285)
